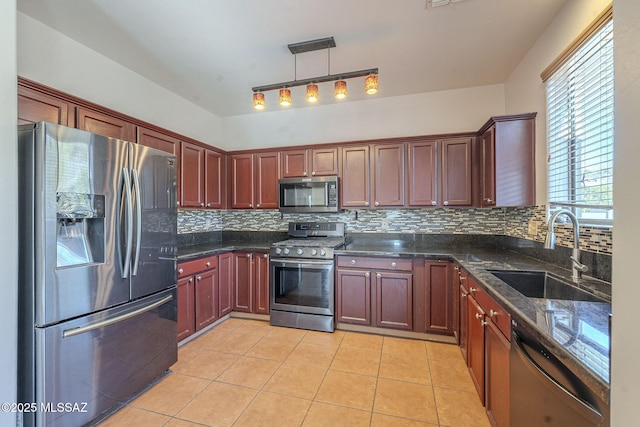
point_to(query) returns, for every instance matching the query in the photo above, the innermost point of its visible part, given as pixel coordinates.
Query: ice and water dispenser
(80, 229)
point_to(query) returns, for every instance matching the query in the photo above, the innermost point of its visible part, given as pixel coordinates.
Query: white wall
(625, 371)
(53, 59)
(9, 211)
(524, 90)
(421, 114)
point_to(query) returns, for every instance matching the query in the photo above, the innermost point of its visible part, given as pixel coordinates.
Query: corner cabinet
(373, 291)
(507, 161)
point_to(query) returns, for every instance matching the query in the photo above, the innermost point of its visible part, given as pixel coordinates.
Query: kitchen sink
(541, 284)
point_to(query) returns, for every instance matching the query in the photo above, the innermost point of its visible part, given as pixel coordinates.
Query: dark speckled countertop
(577, 332)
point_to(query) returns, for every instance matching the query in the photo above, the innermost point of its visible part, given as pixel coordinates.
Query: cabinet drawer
(189, 268)
(494, 311)
(405, 264)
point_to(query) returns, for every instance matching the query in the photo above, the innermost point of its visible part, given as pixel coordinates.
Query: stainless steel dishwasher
(544, 392)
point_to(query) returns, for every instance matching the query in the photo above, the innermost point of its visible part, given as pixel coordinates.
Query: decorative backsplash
(513, 222)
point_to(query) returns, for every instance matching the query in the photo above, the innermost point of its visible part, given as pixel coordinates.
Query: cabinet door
(35, 106)
(103, 124)
(475, 353)
(261, 283)
(242, 282)
(206, 298)
(159, 141)
(422, 174)
(192, 174)
(497, 381)
(324, 161)
(439, 297)
(394, 300)
(186, 316)
(463, 338)
(213, 180)
(388, 175)
(267, 173)
(242, 181)
(295, 164)
(488, 168)
(353, 296)
(456, 172)
(355, 177)
(225, 284)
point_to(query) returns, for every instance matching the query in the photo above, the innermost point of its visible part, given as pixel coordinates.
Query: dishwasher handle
(580, 405)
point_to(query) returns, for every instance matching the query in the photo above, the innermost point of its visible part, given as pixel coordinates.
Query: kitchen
(513, 95)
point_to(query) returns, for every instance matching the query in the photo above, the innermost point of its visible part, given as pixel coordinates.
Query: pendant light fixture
(340, 86)
(371, 84)
(340, 89)
(258, 101)
(285, 97)
(312, 92)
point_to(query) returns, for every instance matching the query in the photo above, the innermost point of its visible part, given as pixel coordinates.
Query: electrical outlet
(533, 228)
(384, 222)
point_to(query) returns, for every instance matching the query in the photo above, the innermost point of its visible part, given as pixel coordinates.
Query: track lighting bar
(321, 79)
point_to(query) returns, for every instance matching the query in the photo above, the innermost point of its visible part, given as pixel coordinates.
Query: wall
(524, 90)
(9, 212)
(87, 74)
(625, 370)
(448, 111)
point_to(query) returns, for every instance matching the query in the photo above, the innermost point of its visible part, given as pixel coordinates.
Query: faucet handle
(579, 265)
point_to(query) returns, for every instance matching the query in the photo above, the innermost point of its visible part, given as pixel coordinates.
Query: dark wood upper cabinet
(309, 162)
(456, 171)
(422, 174)
(103, 124)
(267, 173)
(214, 189)
(242, 181)
(157, 140)
(388, 175)
(192, 175)
(35, 106)
(356, 180)
(508, 169)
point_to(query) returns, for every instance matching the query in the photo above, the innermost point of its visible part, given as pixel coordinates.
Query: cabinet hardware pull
(353, 262)
(462, 295)
(208, 264)
(304, 174)
(248, 255)
(177, 202)
(377, 203)
(394, 264)
(201, 204)
(180, 271)
(433, 203)
(446, 203)
(367, 274)
(478, 316)
(493, 313)
(313, 173)
(208, 205)
(366, 203)
(472, 289)
(378, 275)
(265, 256)
(198, 277)
(191, 280)
(462, 277)
(250, 205)
(483, 323)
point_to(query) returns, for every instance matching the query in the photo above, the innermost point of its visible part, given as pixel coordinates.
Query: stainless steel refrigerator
(98, 310)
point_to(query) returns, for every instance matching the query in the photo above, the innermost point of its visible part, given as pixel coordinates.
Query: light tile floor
(248, 373)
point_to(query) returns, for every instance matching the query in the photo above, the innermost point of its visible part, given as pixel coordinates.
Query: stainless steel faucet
(550, 241)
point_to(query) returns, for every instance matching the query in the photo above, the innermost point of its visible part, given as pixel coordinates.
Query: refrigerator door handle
(126, 262)
(103, 323)
(138, 209)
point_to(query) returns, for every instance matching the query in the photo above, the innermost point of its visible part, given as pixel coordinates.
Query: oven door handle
(302, 262)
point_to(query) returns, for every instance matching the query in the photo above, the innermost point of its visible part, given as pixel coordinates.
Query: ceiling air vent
(437, 3)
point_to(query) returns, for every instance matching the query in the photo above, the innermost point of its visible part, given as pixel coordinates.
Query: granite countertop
(576, 331)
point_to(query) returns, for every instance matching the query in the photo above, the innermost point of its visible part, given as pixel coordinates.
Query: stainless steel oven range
(302, 276)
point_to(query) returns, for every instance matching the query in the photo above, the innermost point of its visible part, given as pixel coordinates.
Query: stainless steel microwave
(316, 194)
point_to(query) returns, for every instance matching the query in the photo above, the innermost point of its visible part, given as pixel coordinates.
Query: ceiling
(212, 52)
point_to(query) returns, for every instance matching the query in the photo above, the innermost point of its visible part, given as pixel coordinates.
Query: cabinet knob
(265, 256)
(304, 174)
(377, 203)
(462, 278)
(198, 277)
(483, 323)
(250, 205)
(446, 203)
(456, 268)
(378, 275)
(478, 316)
(353, 262)
(258, 205)
(208, 264)
(433, 203)
(493, 313)
(201, 205)
(191, 280)
(366, 203)
(248, 255)
(472, 289)
(208, 205)
(367, 274)
(463, 295)
(394, 264)
(180, 270)
(178, 202)
(313, 173)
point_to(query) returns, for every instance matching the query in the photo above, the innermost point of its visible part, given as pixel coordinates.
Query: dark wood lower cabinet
(475, 355)
(261, 278)
(251, 282)
(197, 295)
(225, 288)
(497, 349)
(353, 297)
(439, 297)
(186, 308)
(206, 298)
(394, 300)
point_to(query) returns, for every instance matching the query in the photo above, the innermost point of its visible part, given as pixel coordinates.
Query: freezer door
(74, 208)
(94, 363)
(154, 254)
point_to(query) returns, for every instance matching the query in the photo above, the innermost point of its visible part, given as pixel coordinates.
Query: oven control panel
(301, 252)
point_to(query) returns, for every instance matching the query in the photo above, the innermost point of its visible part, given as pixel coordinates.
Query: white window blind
(580, 130)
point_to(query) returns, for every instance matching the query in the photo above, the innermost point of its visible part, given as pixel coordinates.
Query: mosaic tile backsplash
(514, 222)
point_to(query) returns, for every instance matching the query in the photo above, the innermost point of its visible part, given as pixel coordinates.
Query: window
(580, 126)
